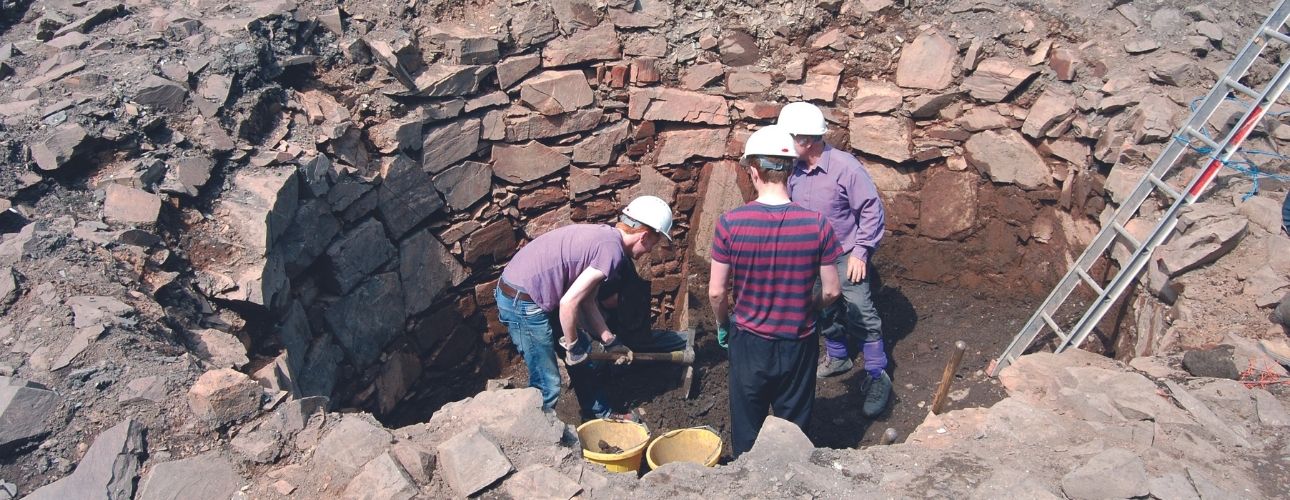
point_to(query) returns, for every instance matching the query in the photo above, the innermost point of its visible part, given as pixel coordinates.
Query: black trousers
(774, 375)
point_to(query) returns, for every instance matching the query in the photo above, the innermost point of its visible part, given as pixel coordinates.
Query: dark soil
(921, 322)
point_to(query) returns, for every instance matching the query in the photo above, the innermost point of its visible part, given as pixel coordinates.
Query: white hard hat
(771, 140)
(651, 211)
(802, 118)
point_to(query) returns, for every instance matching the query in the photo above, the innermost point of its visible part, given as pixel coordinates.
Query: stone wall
(372, 214)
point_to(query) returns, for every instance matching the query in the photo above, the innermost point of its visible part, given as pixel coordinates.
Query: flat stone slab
(471, 461)
(108, 469)
(208, 476)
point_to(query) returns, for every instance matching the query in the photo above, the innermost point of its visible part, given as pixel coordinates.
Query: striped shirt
(774, 253)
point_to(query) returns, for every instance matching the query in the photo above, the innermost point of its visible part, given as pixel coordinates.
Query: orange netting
(1260, 376)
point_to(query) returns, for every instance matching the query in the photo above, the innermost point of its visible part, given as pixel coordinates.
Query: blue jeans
(534, 334)
(852, 316)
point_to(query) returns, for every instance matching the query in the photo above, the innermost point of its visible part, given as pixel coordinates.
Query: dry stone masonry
(221, 222)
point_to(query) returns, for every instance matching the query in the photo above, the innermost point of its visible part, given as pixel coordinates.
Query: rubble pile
(222, 221)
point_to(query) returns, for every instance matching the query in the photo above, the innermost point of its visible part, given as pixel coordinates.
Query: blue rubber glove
(875, 358)
(723, 336)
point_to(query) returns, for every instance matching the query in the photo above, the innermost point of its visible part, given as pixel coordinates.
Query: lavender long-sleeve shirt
(839, 188)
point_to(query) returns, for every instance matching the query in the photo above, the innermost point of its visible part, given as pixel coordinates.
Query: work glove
(875, 358)
(723, 336)
(576, 352)
(617, 346)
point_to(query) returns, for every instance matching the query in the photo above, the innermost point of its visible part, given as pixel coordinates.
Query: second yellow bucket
(629, 437)
(700, 445)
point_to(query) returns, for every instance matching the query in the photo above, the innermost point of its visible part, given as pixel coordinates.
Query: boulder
(748, 82)
(532, 24)
(1153, 120)
(351, 444)
(357, 253)
(1050, 110)
(208, 476)
(949, 207)
(884, 136)
(677, 146)
(519, 164)
(719, 192)
(1201, 245)
(464, 44)
(220, 349)
(308, 235)
(539, 126)
(984, 118)
(162, 94)
(996, 78)
(25, 411)
(1008, 158)
(513, 69)
(382, 478)
(596, 44)
(1113, 473)
(69, 141)
(261, 445)
(107, 471)
(258, 207)
(496, 240)
(738, 49)
(640, 14)
(446, 144)
(779, 442)
(465, 184)
(598, 150)
(927, 62)
(822, 82)
(131, 206)
(664, 104)
(541, 481)
(448, 80)
(417, 461)
(407, 196)
(875, 96)
(224, 396)
(366, 319)
(187, 176)
(471, 461)
(425, 261)
(556, 92)
(700, 75)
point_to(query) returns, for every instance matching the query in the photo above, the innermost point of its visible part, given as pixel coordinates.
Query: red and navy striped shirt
(774, 253)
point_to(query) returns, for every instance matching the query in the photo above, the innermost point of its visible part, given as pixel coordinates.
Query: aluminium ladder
(1220, 151)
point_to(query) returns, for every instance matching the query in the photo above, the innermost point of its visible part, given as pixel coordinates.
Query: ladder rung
(1124, 233)
(1053, 324)
(1088, 280)
(1237, 86)
(1273, 33)
(1166, 188)
(1202, 138)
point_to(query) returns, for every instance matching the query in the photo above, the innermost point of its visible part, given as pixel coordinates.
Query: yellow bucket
(700, 445)
(630, 437)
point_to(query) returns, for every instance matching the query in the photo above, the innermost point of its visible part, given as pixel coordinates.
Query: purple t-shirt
(547, 266)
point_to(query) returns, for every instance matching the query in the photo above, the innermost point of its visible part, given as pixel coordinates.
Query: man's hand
(614, 346)
(856, 269)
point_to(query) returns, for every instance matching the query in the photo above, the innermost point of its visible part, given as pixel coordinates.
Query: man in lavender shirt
(834, 183)
(549, 289)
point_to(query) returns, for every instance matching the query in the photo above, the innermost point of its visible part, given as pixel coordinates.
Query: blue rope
(1246, 165)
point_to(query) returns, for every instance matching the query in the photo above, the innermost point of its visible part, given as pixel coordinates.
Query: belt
(512, 292)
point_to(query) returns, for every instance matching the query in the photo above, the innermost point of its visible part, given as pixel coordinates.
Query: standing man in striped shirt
(773, 251)
(834, 183)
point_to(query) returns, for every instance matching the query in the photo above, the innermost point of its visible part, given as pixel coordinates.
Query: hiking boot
(833, 366)
(877, 393)
(630, 416)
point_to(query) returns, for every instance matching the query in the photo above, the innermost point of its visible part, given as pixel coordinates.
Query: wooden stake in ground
(943, 390)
